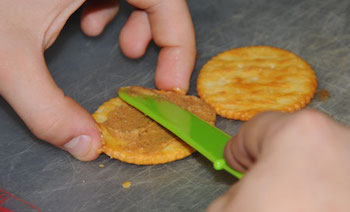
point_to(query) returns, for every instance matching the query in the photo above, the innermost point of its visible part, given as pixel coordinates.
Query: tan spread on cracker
(130, 136)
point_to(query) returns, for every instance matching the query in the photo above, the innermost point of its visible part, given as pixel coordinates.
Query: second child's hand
(293, 162)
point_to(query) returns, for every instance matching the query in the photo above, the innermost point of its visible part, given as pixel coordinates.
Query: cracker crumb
(126, 184)
(101, 165)
(323, 95)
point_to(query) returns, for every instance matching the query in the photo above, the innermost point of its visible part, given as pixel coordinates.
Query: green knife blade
(205, 138)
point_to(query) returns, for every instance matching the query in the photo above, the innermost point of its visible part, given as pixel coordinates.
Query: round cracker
(132, 137)
(242, 82)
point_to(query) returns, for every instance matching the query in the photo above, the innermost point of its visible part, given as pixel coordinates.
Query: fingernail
(79, 146)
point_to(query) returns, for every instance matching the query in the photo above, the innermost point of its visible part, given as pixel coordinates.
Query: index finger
(172, 30)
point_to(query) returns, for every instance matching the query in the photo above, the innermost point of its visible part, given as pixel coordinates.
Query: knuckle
(47, 126)
(52, 122)
(308, 128)
(310, 120)
(142, 4)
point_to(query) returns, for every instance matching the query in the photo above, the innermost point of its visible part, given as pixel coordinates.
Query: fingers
(28, 87)
(273, 132)
(97, 14)
(171, 28)
(135, 35)
(243, 150)
(237, 157)
(167, 22)
(303, 151)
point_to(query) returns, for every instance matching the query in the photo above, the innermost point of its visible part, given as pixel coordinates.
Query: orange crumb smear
(323, 95)
(126, 184)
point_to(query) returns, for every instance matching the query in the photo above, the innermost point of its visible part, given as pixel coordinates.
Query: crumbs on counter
(126, 184)
(101, 165)
(322, 95)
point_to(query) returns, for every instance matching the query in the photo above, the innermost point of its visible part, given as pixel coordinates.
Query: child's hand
(28, 28)
(294, 162)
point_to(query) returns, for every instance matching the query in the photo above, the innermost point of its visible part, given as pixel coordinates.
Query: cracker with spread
(132, 137)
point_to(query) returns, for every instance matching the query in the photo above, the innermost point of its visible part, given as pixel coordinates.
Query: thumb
(26, 84)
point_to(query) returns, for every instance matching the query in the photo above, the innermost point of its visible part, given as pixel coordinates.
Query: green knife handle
(221, 164)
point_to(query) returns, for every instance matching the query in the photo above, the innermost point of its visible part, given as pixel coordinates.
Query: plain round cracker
(242, 82)
(132, 137)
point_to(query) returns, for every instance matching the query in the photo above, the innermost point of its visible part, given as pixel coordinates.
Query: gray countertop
(90, 70)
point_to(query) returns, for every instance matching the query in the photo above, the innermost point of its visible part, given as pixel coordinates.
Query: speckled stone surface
(90, 70)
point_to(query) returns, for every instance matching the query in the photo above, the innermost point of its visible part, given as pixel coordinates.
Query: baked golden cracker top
(242, 82)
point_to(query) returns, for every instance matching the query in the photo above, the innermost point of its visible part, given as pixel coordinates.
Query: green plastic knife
(205, 138)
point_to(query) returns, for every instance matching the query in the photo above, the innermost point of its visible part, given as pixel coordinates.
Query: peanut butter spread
(130, 136)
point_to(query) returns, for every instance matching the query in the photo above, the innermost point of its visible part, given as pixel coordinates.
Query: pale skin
(29, 27)
(293, 162)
